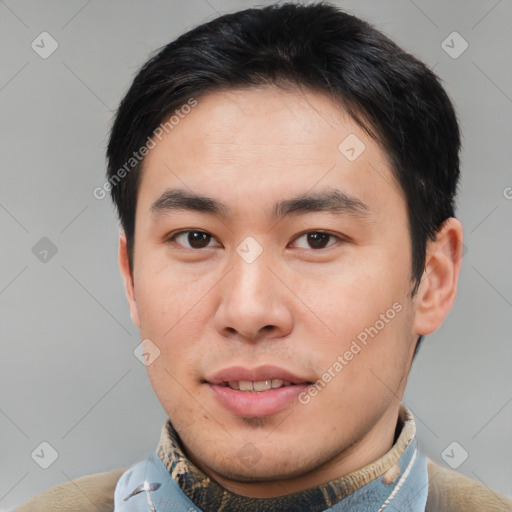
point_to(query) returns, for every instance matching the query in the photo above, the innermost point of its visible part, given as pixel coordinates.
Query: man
(285, 179)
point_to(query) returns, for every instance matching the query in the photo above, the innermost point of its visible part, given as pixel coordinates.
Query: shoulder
(93, 493)
(449, 491)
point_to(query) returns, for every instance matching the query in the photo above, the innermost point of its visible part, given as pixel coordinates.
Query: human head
(395, 97)
(315, 50)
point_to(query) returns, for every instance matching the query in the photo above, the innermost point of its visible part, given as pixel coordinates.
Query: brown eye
(317, 240)
(192, 239)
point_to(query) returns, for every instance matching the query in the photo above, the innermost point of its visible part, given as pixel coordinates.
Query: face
(281, 303)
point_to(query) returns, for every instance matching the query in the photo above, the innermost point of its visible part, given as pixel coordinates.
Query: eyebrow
(330, 200)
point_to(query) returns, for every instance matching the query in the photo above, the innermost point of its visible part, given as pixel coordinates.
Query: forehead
(265, 118)
(264, 143)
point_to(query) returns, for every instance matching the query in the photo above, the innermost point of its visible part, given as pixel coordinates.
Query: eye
(317, 239)
(194, 238)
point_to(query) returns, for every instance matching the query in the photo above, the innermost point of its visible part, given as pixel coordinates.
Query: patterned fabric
(167, 480)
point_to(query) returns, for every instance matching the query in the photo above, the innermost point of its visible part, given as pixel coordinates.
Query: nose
(254, 304)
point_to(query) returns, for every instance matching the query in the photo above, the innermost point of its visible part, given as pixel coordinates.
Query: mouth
(257, 386)
(263, 391)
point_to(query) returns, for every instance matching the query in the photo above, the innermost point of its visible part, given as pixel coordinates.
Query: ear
(128, 279)
(438, 288)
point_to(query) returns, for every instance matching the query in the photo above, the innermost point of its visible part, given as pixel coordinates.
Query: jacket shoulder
(93, 493)
(449, 491)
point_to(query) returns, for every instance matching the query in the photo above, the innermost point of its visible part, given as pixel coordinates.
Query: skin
(296, 306)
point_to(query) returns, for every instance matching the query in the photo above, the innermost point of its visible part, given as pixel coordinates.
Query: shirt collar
(208, 494)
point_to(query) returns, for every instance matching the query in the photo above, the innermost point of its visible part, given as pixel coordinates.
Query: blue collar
(148, 486)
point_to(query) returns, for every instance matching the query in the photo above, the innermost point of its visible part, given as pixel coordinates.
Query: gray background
(68, 375)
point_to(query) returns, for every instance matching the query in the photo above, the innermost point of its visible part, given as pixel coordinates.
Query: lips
(263, 391)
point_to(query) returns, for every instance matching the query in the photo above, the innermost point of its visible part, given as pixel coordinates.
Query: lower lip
(257, 404)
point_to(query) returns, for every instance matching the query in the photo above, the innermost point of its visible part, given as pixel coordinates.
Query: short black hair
(396, 98)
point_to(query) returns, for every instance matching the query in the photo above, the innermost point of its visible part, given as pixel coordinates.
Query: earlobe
(438, 287)
(128, 280)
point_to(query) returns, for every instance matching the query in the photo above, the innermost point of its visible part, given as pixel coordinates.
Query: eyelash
(173, 237)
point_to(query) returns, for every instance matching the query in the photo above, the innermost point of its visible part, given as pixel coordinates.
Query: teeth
(261, 385)
(245, 385)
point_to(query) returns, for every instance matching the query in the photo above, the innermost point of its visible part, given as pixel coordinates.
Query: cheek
(174, 374)
(350, 296)
(174, 394)
(167, 298)
(359, 313)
